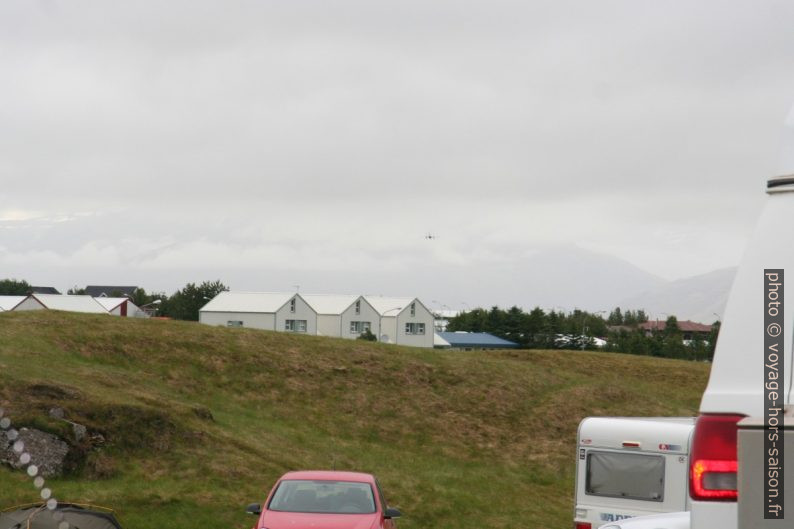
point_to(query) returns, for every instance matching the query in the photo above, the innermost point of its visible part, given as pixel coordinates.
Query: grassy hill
(199, 421)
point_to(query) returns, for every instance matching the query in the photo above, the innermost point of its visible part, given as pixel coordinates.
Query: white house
(272, 311)
(343, 316)
(121, 307)
(404, 321)
(68, 303)
(442, 317)
(9, 303)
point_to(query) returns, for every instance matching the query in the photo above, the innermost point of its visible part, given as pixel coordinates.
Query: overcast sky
(316, 143)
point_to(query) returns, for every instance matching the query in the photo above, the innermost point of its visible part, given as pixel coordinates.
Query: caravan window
(622, 475)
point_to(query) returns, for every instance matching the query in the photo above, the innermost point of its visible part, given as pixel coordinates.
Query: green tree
(615, 317)
(76, 291)
(471, 321)
(12, 287)
(185, 303)
(671, 326)
(712, 339)
(698, 348)
(673, 340)
(140, 297)
(514, 323)
(536, 329)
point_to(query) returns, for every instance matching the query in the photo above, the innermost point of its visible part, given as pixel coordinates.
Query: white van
(631, 466)
(736, 383)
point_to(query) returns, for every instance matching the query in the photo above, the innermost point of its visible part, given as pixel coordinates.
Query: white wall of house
(421, 321)
(30, 304)
(133, 311)
(302, 312)
(366, 314)
(253, 320)
(388, 329)
(115, 307)
(329, 325)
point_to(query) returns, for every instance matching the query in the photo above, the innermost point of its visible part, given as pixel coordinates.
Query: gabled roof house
(273, 311)
(343, 316)
(404, 321)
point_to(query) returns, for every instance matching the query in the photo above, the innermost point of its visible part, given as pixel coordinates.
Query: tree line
(540, 329)
(184, 304)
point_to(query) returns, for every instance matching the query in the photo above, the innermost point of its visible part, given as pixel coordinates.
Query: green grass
(458, 439)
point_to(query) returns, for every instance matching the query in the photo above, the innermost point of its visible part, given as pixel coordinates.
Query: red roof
(683, 326)
(330, 475)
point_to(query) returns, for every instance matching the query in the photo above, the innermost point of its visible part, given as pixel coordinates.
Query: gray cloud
(222, 138)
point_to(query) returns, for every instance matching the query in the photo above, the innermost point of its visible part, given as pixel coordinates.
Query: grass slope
(458, 439)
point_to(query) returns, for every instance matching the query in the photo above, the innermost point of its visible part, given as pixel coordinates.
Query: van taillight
(582, 525)
(713, 462)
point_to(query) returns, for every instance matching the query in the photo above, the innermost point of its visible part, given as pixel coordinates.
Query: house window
(295, 325)
(358, 307)
(292, 305)
(234, 323)
(414, 328)
(357, 327)
(413, 309)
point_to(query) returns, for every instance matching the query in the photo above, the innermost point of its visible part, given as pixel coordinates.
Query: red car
(320, 499)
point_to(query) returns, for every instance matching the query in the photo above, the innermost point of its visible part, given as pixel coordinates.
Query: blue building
(471, 340)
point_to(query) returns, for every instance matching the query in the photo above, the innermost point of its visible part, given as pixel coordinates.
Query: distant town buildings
(689, 329)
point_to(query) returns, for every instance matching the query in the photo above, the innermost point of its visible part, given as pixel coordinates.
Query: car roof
(329, 475)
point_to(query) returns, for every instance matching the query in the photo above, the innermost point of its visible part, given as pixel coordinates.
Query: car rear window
(622, 475)
(323, 496)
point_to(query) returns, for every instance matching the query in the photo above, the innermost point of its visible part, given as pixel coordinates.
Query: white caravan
(631, 466)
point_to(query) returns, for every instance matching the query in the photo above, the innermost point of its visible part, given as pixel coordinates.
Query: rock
(79, 431)
(46, 451)
(57, 413)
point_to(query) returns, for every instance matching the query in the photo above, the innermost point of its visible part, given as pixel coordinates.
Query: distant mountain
(566, 277)
(695, 298)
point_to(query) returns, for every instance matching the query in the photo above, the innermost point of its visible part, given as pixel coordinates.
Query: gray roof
(70, 303)
(386, 306)
(108, 290)
(44, 290)
(330, 303)
(236, 301)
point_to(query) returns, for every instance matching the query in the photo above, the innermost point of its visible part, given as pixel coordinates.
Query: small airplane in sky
(430, 237)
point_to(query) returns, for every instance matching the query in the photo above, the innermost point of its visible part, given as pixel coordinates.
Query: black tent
(38, 516)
